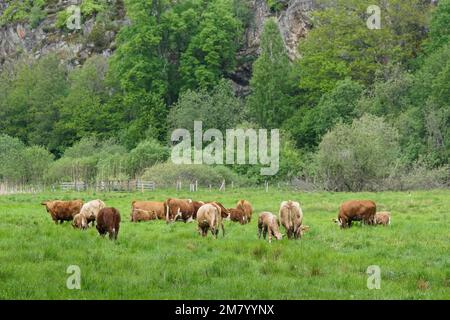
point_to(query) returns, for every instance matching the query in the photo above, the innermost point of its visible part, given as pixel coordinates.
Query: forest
(359, 109)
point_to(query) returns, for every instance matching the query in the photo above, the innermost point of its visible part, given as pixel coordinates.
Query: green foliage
(31, 11)
(218, 109)
(21, 164)
(146, 154)
(277, 5)
(269, 102)
(166, 174)
(211, 53)
(27, 109)
(338, 105)
(90, 7)
(61, 19)
(439, 27)
(357, 156)
(340, 45)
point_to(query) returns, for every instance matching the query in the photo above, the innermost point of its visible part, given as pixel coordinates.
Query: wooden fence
(116, 185)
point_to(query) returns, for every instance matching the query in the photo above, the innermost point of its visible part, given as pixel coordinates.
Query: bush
(146, 154)
(418, 176)
(166, 175)
(357, 156)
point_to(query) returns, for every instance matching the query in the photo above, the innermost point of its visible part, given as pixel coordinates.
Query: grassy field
(153, 260)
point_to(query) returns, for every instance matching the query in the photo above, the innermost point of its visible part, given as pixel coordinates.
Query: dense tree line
(357, 103)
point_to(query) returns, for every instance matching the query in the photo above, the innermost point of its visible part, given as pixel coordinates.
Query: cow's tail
(166, 206)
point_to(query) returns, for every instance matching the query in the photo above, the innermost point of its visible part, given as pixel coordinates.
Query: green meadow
(153, 260)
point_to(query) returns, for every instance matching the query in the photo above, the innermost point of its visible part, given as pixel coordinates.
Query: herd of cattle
(208, 214)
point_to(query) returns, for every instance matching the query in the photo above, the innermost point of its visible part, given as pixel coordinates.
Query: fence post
(222, 187)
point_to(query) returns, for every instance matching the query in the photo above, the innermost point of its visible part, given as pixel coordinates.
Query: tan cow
(291, 216)
(224, 212)
(383, 218)
(139, 215)
(91, 209)
(61, 211)
(269, 223)
(155, 206)
(356, 210)
(80, 222)
(182, 209)
(245, 206)
(209, 217)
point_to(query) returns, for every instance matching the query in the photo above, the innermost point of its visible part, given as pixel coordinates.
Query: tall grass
(153, 260)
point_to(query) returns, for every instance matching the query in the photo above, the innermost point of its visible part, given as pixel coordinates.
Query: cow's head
(338, 222)
(45, 203)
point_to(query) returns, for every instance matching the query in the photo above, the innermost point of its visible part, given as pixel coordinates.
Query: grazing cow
(356, 210)
(209, 217)
(179, 209)
(139, 215)
(291, 216)
(223, 211)
(155, 206)
(108, 221)
(245, 206)
(80, 222)
(63, 210)
(383, 218)
(269, 223)
(237, 215)
(91, 209)
(196, 205)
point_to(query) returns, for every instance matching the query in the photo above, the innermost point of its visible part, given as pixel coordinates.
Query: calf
(268, 223)
(209, 217)
(91, 209)
(108, 221)
(246, 207)
(291, 216)
(237, 215)
(61, 211)
(139, 215)
(149, 206)
(383, 218)
(79, 222)
(356, 210)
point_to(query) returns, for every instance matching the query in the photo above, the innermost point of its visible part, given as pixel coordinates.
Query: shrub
(357, 156)
(166, 174)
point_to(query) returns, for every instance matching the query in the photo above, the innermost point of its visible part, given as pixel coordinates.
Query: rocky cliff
(37, 39)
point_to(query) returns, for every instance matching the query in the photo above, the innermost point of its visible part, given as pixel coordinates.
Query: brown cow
(237, 215)
(245, 206)
(356, 210)
(269, 223)
(155, 206)
(209, 217)
(108, 221)
(291, 216)
(182, 209)
(63, 210)
(80, 222)
(383, 218)
(196, 205)
(139, 215)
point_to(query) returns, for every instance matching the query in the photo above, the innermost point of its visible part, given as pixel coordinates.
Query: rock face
(76, 46)
(73, 47)
(293, 21)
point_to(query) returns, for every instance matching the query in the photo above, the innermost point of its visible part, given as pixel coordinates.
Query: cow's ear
(44, 203)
